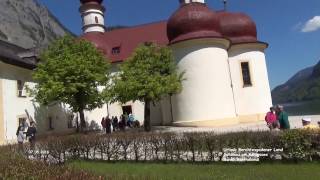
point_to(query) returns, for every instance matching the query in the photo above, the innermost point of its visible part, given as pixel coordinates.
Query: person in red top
(271, 119)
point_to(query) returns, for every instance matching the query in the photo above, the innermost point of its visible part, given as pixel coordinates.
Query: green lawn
(307, 171)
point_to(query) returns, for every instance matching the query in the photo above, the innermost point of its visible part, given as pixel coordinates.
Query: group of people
(277, 118)
(114, 124)
(24, 132)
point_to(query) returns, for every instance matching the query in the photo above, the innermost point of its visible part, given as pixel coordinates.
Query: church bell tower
(92, 13)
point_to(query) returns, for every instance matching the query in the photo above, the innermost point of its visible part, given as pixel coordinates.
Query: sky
(290, 27)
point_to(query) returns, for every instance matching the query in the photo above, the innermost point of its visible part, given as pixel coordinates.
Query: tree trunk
(147, 123)
(82, 121)
(77, 124)
(171, 113)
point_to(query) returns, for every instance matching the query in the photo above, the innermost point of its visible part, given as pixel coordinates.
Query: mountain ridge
(303, 86)
(29, 24)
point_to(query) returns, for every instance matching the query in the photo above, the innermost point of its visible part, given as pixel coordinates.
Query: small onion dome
(91, 1)
(238, 27)
(98, 40)
(193, 21)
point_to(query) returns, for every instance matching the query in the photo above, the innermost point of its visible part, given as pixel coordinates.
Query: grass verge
(261, 171)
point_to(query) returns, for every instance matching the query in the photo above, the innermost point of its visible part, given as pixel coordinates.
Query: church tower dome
(92, 13)
(193, 20)
(238, 27)
(92, 1)
(201, 53)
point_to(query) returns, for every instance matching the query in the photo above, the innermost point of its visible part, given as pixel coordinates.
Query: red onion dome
(193, 21)
(238, 27)
(98, 40)
(91, 1)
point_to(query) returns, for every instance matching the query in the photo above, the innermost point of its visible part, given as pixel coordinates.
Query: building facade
(224, 63)
(16, 105)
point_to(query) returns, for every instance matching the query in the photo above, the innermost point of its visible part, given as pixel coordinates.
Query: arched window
(96, 19)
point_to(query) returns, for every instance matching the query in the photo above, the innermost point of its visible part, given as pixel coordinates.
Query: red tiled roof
(128, 39)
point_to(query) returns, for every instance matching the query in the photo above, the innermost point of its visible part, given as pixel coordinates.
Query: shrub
(172, 147)
(13, 165)
(299, 144)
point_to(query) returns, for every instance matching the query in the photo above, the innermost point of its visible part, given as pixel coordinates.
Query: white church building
(224, 64)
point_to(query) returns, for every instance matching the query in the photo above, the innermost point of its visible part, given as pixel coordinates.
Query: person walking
(115, 123)
(103, 124)
(130, 120)
(122, 123)
(283, 118)
(126, 119)
(31, 133)
(20, 137)
(108, 125)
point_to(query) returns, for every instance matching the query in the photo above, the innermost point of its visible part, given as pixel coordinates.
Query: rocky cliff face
(28, 24)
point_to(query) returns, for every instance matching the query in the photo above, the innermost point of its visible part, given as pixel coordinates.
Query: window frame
(116, 50)
(21, 89)
(50, 123)
(244, 84)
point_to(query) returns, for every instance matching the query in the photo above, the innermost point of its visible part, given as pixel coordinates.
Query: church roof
(17, 56)
(119, 44)
(190, 21)
(91, 1)
(238, 27)
(193, 21)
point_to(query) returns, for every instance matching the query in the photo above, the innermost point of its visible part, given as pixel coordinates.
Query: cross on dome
(91, 1)
(225, 2)
(191, 1)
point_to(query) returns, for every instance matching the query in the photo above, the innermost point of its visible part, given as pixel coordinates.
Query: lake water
(303, 108)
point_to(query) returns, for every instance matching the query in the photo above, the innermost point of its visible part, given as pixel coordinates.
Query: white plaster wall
(115, 110)
(255, 99)
(138, 111)
(89, 23)
(156, 114)
(15, 107)
(166, 111)
(93, 29)
(207, 92)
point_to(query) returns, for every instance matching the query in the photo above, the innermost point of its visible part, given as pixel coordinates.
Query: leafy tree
(71, 71)
(147, 76)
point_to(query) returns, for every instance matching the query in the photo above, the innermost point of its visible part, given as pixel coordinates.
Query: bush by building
(293, 145)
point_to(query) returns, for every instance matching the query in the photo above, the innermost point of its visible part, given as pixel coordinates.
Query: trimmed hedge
(170, 147)
(298, 145)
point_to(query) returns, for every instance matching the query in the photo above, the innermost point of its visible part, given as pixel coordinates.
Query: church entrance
(127, 110)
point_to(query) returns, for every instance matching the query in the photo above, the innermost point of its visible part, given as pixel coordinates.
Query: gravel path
(295, 122)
